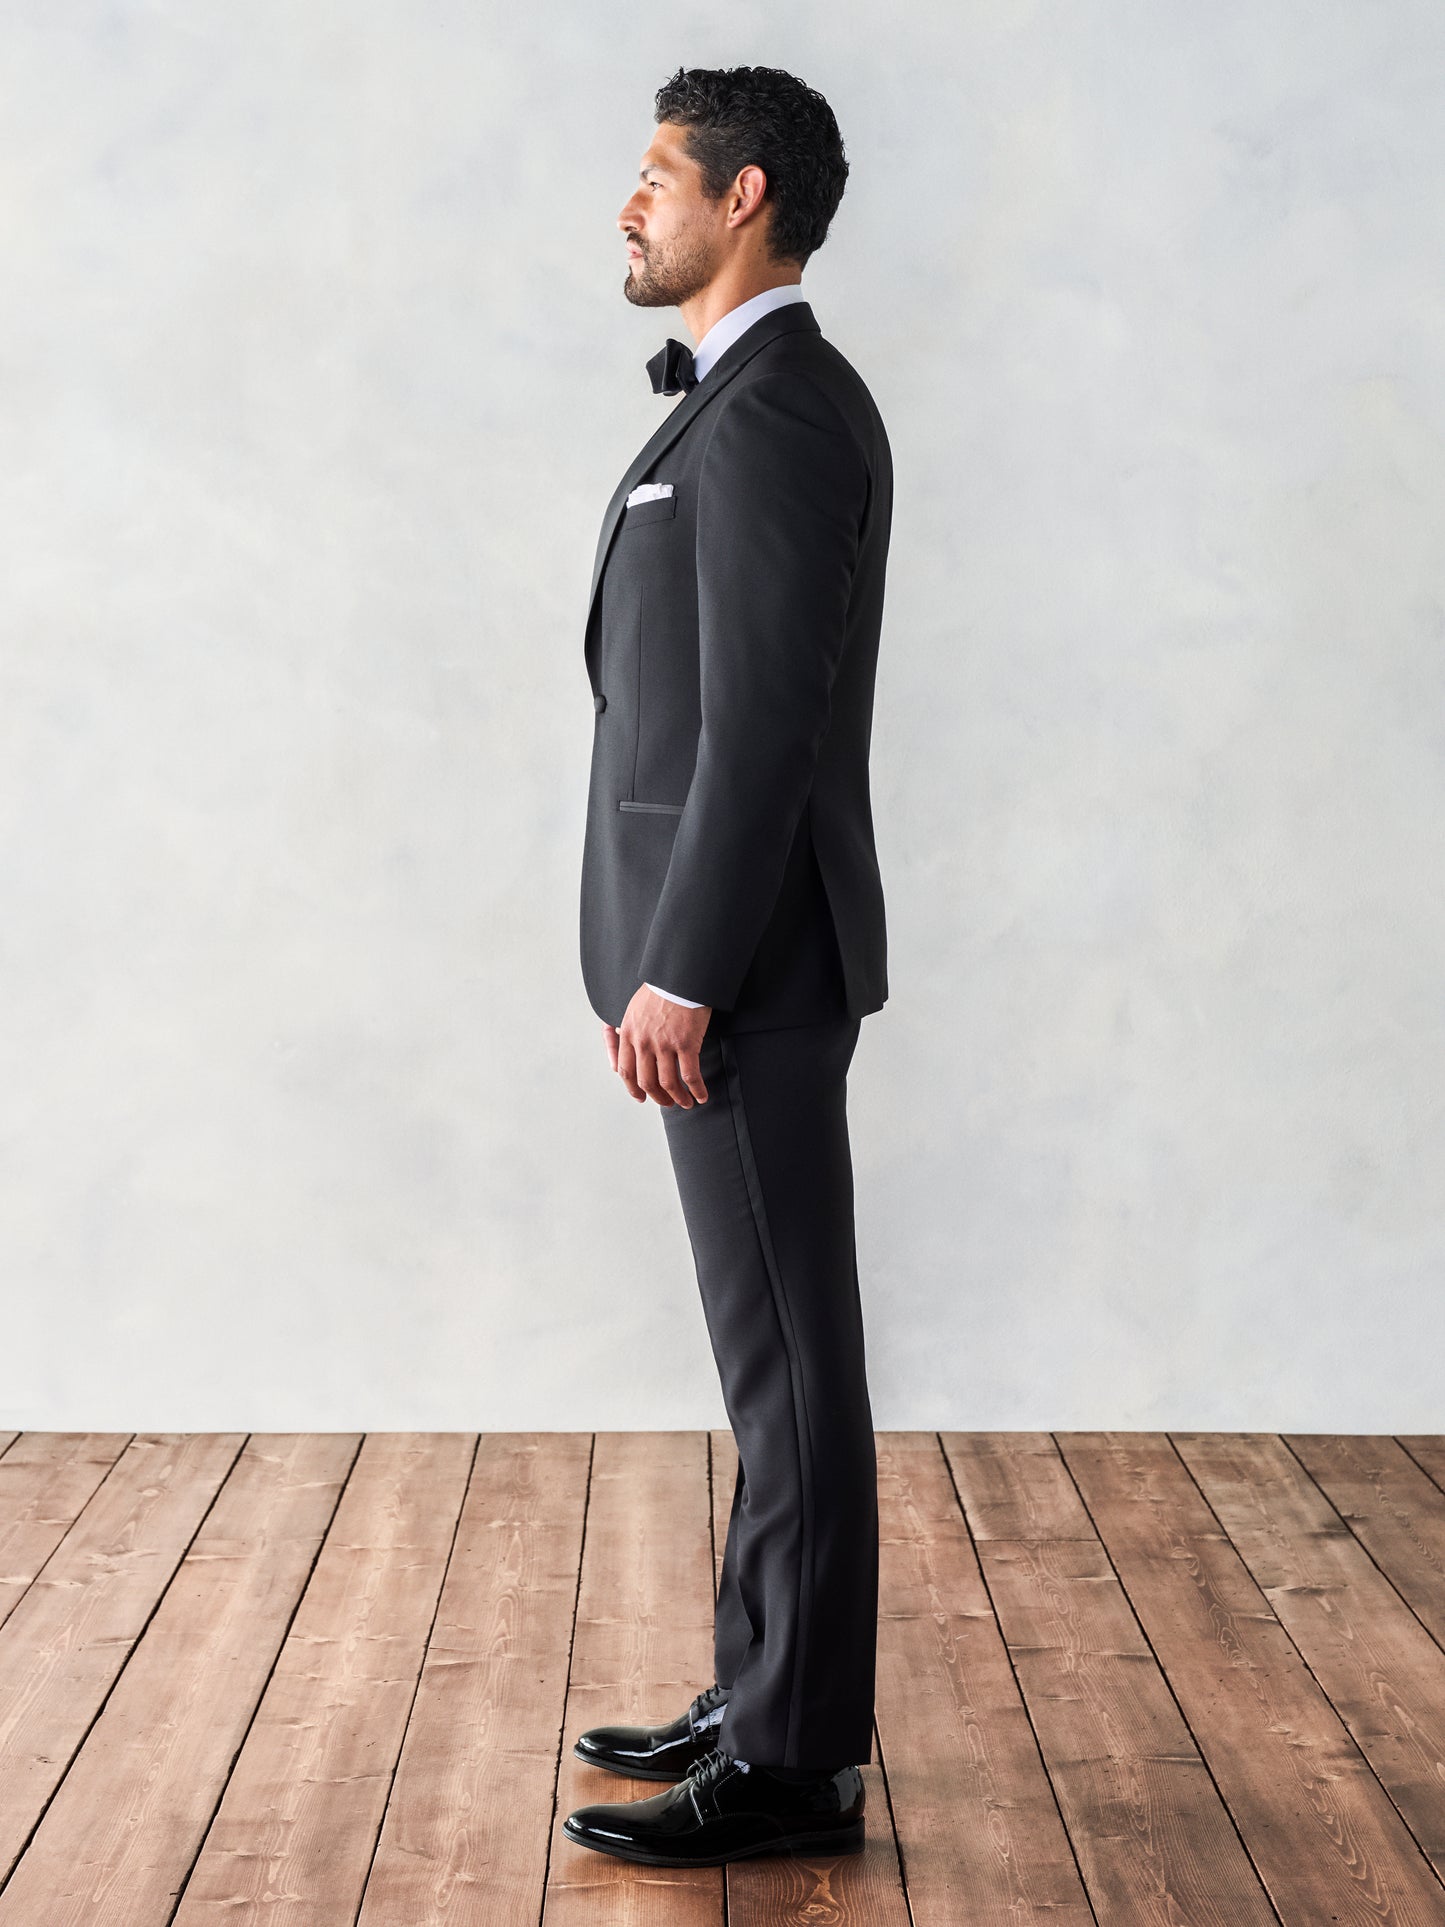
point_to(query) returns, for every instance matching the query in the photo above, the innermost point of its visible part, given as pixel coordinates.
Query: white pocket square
(648, 492)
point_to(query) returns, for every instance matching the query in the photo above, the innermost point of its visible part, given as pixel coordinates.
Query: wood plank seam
(1162, 1669)
(975, 1812)
(567, 1683)
(1355, 1536)
(1028, 1710)
(1305, 1794)
(260, 1697)
(120, 1670)
(1371, 1649)
(1154, 1840)
(1415, 1460)
(5, 1878)
(1382, 1519)
(421, 1668)
(122, 1829)
(1404, 1601)
(1304, 1658)
(56, 1549)
(892, 1826)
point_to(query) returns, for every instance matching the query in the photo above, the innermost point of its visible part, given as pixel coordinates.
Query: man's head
(746, 168)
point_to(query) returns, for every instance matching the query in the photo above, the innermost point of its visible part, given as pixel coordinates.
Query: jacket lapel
(793, 314)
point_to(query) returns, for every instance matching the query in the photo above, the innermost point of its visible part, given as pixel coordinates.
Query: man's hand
(656, 1050)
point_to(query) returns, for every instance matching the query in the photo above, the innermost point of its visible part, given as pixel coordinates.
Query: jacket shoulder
(831, 386)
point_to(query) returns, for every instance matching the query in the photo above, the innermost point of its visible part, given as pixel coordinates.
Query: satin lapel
(796, 314)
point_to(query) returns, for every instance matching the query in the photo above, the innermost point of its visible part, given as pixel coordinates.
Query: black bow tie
(671, 369)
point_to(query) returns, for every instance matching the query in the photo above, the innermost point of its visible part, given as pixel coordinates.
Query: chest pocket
(661, 509)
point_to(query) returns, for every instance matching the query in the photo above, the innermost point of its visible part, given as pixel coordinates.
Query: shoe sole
(632, 1772)
(822, 1845)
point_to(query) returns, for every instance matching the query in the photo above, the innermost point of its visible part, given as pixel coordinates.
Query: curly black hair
(763, 117)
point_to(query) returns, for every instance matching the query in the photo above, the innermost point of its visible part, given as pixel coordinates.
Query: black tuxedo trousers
(765, 1178)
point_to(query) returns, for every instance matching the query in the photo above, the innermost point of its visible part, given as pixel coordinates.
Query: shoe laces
(710, 1769)
(705, 1703)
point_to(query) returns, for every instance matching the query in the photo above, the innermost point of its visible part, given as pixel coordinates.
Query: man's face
(673, 232)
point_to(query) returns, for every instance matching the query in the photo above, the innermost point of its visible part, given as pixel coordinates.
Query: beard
(669, 275)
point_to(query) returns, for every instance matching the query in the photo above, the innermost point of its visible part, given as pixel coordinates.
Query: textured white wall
(316, 375)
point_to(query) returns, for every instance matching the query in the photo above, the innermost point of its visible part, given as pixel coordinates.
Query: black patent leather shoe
(656, 1752)
(725, 1810)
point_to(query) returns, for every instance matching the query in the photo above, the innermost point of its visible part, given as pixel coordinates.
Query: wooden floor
(1122, 1677)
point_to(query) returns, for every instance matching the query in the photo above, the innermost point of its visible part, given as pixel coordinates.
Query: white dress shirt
(726, 329)
(722, 334)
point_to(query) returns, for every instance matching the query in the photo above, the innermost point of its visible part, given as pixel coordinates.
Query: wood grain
(978, 1828)
(226, 1695)
(1393, 1508)
(71, 1633)
(1121, 1759)
(1323, 1834)
(641, 1651)
(121, 1834)
(1428, 1452)
(1017, 1487)
(46, 1481)
(1383, 1673)
(294, 1835)
(465, 1837)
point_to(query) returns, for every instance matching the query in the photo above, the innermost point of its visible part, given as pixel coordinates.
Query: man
(732, 934)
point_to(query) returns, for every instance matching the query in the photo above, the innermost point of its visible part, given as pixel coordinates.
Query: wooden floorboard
(466, 1830)
(1123, 1679)
(1381, 1670)
(124, 1828)
(1118, 1752)
(978, 1823)
(71, 1632)
(1321, 1830)
(46, 1481)
(1393, 1508)
(1428, 1453)
(293, 1838)
(641, 1649)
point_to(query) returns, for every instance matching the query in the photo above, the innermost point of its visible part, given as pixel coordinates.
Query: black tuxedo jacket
(731, 645)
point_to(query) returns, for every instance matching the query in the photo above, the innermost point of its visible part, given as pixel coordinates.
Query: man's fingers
(684, 1079)
(627, 1066)
(649, 1075)
(610, 1033)
(669, 1071)
(689, 1065)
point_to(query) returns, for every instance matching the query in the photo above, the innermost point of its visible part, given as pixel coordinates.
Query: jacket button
(599, 703)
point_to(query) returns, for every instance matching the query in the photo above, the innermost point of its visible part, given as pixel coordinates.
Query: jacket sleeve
(781, 496)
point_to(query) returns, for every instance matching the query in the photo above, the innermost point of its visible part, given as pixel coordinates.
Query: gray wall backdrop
(316, 376)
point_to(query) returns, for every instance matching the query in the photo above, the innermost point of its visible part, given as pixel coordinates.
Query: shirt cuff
(691, 1002)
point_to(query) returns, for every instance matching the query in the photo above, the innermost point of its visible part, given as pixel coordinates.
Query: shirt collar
(726, 329)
